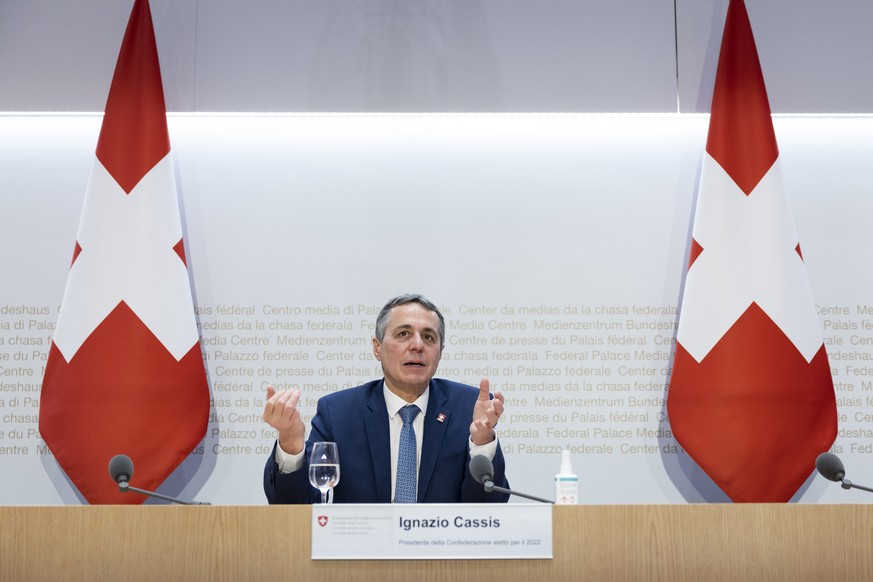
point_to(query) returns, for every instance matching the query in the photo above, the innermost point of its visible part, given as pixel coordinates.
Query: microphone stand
(490, 486)
(846, 484)
(124, 487)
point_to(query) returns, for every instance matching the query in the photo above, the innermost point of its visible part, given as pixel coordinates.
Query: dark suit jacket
(357, 420)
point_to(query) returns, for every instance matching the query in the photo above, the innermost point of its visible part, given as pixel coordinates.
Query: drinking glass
(324, 469)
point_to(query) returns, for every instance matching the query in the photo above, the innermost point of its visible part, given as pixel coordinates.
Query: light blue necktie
(407, 474)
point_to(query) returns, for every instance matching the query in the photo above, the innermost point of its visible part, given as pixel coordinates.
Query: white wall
(437, 55)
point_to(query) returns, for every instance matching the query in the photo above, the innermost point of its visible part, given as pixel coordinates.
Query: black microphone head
(120, 468)
(481, 468)
(830, 466)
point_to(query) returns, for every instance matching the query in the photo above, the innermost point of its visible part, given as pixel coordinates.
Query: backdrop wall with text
(555, 244)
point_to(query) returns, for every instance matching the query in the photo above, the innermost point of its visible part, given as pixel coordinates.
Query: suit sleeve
(473, 491)
(286, 488)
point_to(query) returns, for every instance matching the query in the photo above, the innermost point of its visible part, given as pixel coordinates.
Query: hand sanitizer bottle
(566, 482)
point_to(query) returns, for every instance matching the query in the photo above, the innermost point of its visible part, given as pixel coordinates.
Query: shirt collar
(394, 403)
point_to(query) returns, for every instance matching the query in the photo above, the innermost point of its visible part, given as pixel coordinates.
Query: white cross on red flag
(125, 371)
(751, 397)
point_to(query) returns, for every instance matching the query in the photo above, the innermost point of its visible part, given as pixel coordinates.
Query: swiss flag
(125, 372)
(751, 397)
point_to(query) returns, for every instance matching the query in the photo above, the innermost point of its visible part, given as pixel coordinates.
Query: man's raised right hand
(281, 413)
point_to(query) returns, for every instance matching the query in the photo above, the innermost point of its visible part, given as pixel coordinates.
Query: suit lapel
(376, 422)
(434, 431)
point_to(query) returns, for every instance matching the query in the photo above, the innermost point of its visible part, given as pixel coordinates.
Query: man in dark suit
(378, 425)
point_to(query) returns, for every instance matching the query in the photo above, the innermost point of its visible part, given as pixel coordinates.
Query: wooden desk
(598, 542)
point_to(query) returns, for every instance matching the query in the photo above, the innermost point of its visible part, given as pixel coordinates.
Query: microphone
(481, 468)
(121, 470)
(831, 467)
(483, 472)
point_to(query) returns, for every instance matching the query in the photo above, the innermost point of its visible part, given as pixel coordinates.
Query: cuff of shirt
(488, 449)
(287, 462)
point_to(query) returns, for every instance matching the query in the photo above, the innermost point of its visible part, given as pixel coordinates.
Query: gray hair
(382, 319)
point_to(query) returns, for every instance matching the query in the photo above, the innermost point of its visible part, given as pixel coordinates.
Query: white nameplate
(431, 531)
